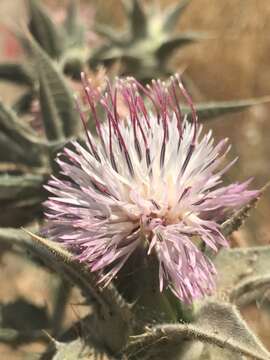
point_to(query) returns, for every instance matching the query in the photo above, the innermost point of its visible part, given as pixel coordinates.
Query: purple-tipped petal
(150, 179)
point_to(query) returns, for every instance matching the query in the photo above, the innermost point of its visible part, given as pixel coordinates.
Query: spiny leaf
(173, 13)
(14, 237)
(11, 151)
(145, 43)
(18, 132)
(217, 324)
(238, 218)
(15, 337)
(61, 260)
(211, 110)
(165, 50)
(56, 91)
(50, 116)
(211, 352)
(138, 21)
(242, 272)
(23, 104)
(16, 73)
(18, 187)
(53, 252)
(223, 322)
(106, 54)
(75, 32)
(78, 349)
(20, 198)
(71, 20)
(250, 290)
(110, 306)
(110, 33)
(43, 29)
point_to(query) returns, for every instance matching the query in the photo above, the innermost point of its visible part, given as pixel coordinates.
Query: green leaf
(211, 352)
(73, 66)
(19, 188)
(113, 314)
(217, 324)
(11, 151)
(75, 31)
(43, 29)
(115, 37)
(147, 38)
(106, 53)
(11, 237)
(110, 306)
(243, 273)
(211, 110)
(238, 218)
(20, 198)
(223, 323)
(15, 337)
(58, 109)
(71, 20)
(32, 317)
(11, 126)
(23, 104)
(79, 349)
(172, 15)
(52, 123)
(17, 73)
(251, 290)
(172, 44)
(19, 138)
(137, 20)
(22, 212)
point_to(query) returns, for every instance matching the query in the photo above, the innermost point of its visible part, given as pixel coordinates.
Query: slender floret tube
(148, 178)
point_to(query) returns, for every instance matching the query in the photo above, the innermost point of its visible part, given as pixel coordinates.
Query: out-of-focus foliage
(148, 40)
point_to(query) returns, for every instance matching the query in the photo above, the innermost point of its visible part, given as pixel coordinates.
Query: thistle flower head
(149, 180)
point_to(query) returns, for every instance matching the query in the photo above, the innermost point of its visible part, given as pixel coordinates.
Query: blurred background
(231, 64)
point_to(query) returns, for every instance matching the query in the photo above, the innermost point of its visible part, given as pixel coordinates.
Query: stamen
(129, 163)
(189, 154)
(93, 110)
(184, 193)
(176, 108)
(143, 110)
(150, 96)
(83, 120)
(138, 148)
(155, 204)
(128, 96)
(191, 105)
(114, 118)
(162, 154)
(132, 97)
(100, 188)
(110, 146)
(148, 157)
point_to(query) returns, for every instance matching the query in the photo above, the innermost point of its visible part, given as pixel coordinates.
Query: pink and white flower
(150, 179)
